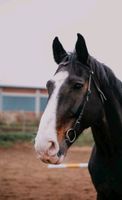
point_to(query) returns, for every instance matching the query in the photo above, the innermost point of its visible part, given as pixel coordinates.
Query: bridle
(72, 134)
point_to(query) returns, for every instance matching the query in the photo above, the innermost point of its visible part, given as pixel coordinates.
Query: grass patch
(85, 139)
(6, 144)
(9, 138)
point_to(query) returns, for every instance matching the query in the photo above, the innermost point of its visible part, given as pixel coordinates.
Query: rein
(73, 133)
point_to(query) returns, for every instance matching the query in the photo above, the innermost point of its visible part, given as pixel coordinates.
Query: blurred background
(27, 29)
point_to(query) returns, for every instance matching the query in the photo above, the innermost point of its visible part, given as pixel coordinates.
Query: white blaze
(47, 127)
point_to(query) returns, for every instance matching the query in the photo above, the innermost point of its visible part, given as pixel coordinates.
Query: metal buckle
(68, 136)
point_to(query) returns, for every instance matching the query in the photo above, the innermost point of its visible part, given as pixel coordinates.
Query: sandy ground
(23, 177)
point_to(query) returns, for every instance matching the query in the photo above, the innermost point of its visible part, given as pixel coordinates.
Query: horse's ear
(58, 51)
(81, 49)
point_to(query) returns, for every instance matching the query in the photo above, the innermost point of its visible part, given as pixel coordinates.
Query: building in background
(23, 99)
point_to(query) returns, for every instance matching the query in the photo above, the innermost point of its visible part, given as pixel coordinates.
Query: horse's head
(74, 103)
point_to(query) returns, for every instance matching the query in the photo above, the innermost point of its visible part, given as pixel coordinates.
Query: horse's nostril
(52, 150)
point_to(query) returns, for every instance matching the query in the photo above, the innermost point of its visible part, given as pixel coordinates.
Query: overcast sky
(27, 28)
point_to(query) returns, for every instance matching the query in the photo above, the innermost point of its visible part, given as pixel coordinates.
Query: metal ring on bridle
(68, 136)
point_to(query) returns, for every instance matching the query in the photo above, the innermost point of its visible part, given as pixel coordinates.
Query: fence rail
(68, 165)
(19, 128)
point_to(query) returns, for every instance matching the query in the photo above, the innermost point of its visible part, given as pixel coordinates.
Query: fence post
(1, 100)
(37, 103)
(23, 121)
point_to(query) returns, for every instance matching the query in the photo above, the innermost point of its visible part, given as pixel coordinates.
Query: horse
(84, 93)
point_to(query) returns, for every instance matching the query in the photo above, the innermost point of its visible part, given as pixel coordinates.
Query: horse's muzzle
(56, 159)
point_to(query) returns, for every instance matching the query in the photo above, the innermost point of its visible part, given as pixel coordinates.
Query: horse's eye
(78, 85)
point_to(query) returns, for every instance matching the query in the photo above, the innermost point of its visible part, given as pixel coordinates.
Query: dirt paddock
(23, 177)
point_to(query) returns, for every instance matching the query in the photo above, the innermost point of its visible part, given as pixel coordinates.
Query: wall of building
(13, 99)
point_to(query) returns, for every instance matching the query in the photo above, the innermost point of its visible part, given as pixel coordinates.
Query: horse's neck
(108, 132)
(102, 138)
(108, 135)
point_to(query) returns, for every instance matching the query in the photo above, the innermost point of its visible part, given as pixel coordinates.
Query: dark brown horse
(84, 93)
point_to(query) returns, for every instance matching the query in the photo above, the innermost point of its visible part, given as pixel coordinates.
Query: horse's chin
(58, 158)
(52, 159)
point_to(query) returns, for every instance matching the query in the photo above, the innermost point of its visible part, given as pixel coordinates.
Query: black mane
(106, 78)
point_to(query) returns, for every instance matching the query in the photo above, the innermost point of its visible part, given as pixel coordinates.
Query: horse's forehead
(60, 77)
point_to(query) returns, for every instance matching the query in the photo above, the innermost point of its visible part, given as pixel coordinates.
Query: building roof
(21, 87)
